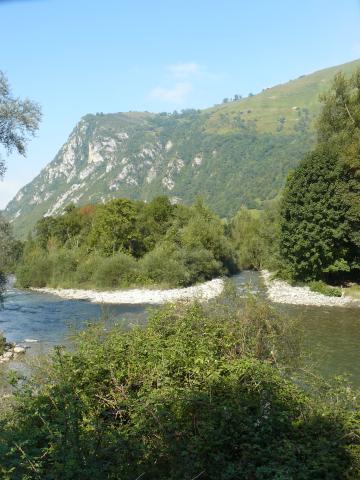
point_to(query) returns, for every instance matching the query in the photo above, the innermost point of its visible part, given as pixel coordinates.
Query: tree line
(123, 243)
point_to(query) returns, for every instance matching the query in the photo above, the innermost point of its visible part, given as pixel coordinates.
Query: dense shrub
(201, 264)
(64, 263)
(115, 271)
(164, 265)
(124, 242)
(321, 287)
(197, 392)
(3, 282)
(86, 269)
(2, 343)
(35, 272)
(255, 235)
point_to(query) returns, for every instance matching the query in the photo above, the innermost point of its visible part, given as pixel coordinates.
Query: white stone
(197, 161)
(204, 291)
(168, 183)
(168, 145)
(151, 175)
(94, 153)
(279, 291)
(19, 349)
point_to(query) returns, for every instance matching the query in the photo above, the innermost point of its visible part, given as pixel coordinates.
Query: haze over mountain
(237, 153)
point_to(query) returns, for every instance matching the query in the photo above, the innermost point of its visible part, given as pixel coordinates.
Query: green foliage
(116, 271)
(36, 270)
(163, 265)
(2, 343)
(245, 231)
(320, 227)
(87, 269)
(114, 228)
(10, 248)
(3, 282)
(195, 392)
(321, 287)
(19, 119)
(255, 235)
(123, 243)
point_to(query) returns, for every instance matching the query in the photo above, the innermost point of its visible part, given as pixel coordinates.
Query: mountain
(233, 154)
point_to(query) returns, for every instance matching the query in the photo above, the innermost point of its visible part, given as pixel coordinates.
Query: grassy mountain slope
(286, 100)
(233, 154)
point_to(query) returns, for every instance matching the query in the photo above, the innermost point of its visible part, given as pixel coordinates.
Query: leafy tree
(114, 228)
(245, 232)
(126, 242)
(19, 119)
(155, 219)
(255, 235)
(10, 253)
(320, 227)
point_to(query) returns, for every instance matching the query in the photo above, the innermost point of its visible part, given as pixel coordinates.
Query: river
(40, 321)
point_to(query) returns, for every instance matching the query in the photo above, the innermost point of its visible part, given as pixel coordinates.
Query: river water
(40, 321)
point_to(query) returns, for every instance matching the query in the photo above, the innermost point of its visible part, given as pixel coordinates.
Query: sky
(75, 57)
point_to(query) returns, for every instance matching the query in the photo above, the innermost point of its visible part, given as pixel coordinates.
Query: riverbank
(203, 291)
(11, 352)
(279, 291)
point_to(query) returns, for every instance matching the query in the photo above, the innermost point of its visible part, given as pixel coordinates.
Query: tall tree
(320, 227)
(19, 119)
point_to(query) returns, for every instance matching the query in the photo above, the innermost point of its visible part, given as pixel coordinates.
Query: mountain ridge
(233, 154)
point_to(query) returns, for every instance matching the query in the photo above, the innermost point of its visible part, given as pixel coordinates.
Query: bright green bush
(115, 271)
(164, 265)
(321, 287)
(195, 392)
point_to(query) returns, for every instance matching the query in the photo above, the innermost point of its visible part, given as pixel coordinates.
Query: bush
(200, 264)
(3, 282)
(86, 270)
(187, 395)
(164, 265)
(64, 263)
(2, 343)
(118, 270)
(321, 287)
(34, 272)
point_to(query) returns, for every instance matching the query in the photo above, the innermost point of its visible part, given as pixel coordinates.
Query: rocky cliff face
(231, 155)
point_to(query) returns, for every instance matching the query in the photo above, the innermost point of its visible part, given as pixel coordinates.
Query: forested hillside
(237, 153)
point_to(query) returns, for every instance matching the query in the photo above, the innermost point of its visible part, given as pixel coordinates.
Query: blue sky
(83, 56)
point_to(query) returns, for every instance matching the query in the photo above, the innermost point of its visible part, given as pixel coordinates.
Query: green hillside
(233, 154)
(295, 101)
